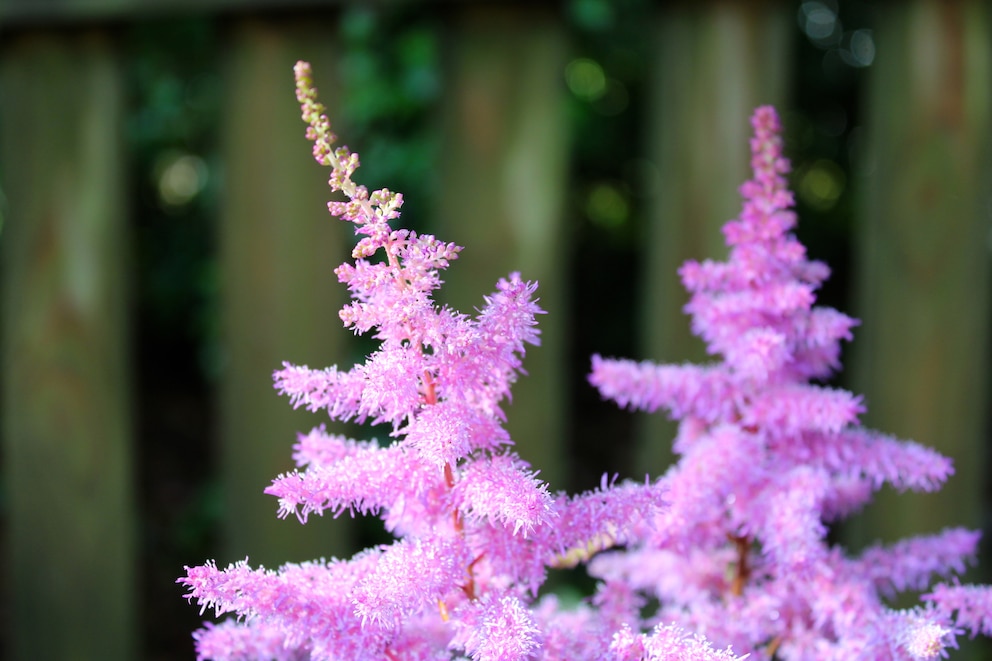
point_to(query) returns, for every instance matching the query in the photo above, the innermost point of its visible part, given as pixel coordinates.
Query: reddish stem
(456, 518)
(469, 588)
(773, 646)
(430, 391)
(743, 545)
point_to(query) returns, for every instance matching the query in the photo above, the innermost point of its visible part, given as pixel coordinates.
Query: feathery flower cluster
(730, 543)
(768, 459)
(475, 529)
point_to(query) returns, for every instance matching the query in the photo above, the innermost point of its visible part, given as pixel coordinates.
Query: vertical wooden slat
(66, 418)
(921, 356)
(279, 247)
(503, 169)
(716, 62)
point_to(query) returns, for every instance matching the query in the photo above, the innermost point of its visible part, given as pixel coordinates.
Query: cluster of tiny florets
(767, 459)
(725, 557)
(476, 530)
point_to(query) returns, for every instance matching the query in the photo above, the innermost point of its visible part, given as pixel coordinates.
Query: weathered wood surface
(279, 295)
(502, 180)
(48, 12)
(67, 437)
(716, 62)
(921, 355)
(78, 12)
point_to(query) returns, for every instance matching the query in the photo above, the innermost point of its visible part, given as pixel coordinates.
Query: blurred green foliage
(391, 75)
(175, 95)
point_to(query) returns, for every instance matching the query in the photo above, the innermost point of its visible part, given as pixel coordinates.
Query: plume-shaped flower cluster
(726, 554)
(475, 529)
(767, 459)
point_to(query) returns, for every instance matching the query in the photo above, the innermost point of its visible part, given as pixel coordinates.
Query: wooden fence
(71, 540)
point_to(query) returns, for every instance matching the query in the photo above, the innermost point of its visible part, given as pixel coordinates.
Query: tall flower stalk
(768, 459)
(475, 529)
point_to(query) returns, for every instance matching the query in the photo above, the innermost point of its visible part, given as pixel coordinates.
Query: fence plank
(49, 12)
(717, 61)
(66, 422)
(23, 13)
(921, 356)
(503, 169)
(280, 297)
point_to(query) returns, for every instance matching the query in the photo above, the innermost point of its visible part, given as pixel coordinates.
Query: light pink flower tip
(504, 492)
(667, 642)
(922, 635)
(911, 564)
(971, 605)
(765, 122)
(506, 631)
(239, 641)
(703, 392)
(408, 576)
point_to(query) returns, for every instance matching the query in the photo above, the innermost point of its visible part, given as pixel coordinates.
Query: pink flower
(768, 458)
(476, 529)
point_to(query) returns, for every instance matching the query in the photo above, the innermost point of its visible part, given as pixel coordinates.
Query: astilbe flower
(767, 459)
(475, 529)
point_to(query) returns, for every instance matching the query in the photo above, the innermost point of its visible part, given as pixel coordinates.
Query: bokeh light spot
(860, 51)
(179, 178)
(606, 206)
(819, 22)
(586, 79)
(821, 184)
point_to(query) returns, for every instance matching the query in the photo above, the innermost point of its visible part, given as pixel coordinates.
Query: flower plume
(768, 459)
(474, 526)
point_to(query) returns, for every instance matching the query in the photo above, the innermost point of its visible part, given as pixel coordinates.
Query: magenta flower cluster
(730, 544)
